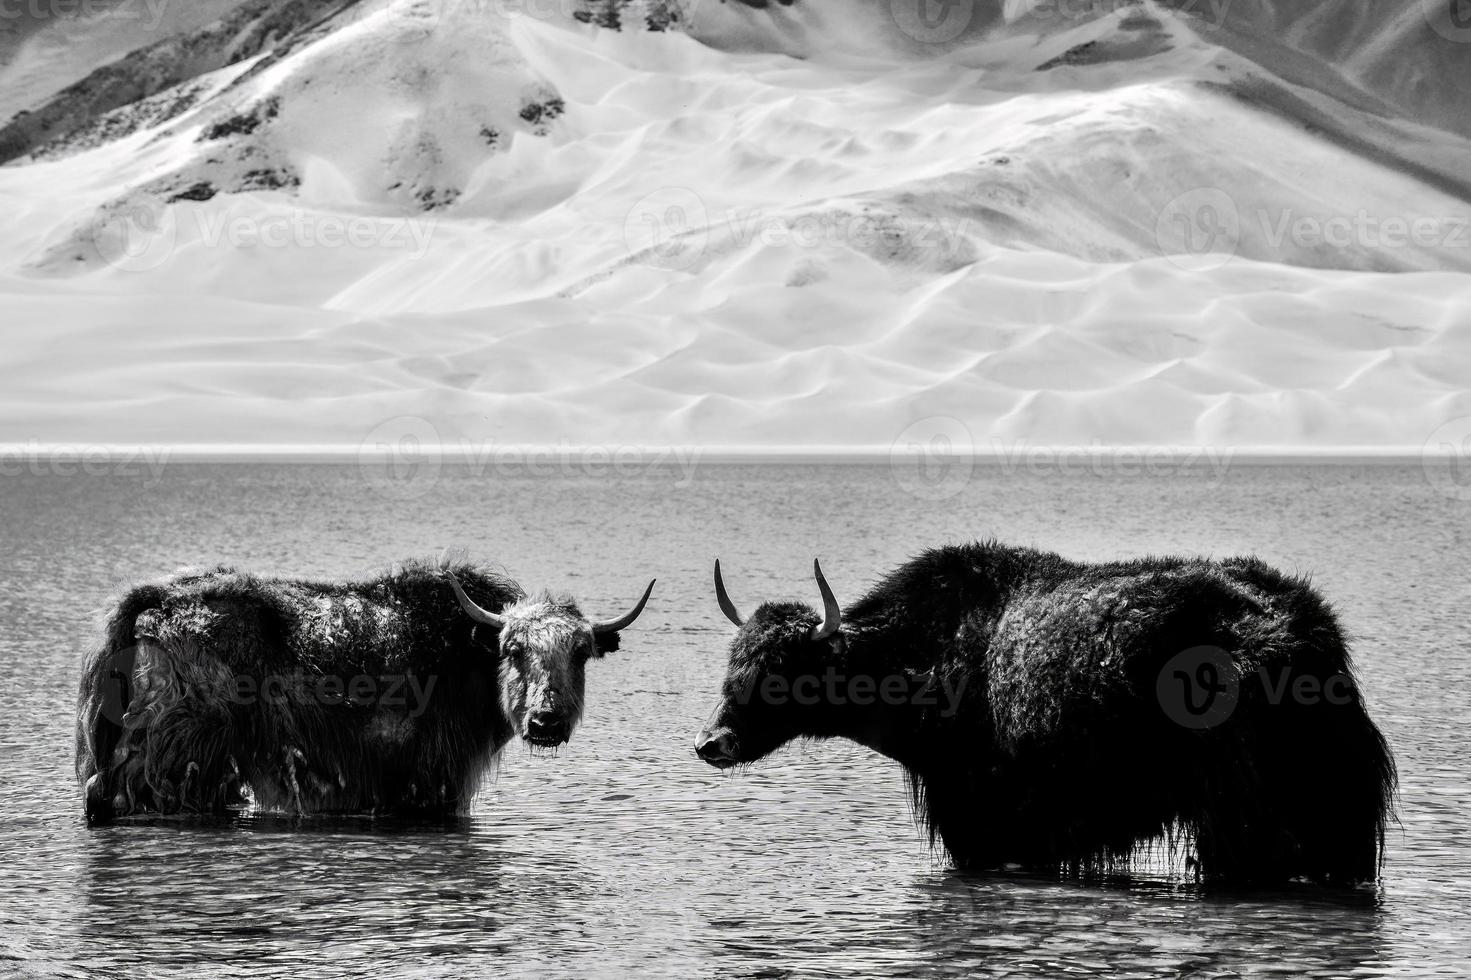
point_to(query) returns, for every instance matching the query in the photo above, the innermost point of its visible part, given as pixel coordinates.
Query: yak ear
(604, 643)
(486, 636)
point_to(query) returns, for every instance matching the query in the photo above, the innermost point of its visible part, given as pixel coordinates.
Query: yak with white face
(545, 644)
(391, 694)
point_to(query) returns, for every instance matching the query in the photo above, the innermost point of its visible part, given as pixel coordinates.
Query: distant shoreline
(511, 454)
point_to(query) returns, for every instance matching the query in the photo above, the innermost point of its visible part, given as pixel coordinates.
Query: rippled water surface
(626, 853)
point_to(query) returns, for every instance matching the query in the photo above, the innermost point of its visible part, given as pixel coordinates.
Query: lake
(623, 852)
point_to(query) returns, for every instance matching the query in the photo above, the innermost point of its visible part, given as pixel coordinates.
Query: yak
(387, 695)
(1067, 717)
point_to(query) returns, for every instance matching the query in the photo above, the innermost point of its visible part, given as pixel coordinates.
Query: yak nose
(717, 748)
(546, 726)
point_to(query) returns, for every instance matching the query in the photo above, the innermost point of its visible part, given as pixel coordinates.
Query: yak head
(774, 685)
(545, 643)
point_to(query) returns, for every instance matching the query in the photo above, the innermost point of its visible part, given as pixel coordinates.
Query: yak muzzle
(547, 729)
(718, 748)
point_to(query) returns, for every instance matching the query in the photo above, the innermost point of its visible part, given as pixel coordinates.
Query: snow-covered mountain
(822, 222)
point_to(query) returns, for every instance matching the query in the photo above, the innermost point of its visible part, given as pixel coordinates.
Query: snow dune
(823, 224)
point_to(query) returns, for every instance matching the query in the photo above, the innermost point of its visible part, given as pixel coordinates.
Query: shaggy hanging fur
(173, 716)
(1057, 753)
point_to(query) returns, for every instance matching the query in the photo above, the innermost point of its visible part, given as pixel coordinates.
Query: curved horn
(832, 613)
(726, 606)
(476, 613)
(614, 625)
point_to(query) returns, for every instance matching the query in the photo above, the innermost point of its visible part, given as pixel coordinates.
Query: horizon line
(629, 453)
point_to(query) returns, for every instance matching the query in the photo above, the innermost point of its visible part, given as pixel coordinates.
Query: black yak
(1055, 715)
(392, 694)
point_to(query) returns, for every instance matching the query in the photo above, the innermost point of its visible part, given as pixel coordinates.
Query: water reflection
(950, 924)
(275, 892)
(1016, 925)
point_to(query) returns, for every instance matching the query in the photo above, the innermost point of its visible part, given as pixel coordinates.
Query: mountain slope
(795, 224)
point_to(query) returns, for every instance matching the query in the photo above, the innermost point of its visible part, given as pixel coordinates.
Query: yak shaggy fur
(162, 725)
(1059, 753)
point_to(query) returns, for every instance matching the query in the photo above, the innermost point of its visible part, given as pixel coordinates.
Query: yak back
(405, 619)
(1034, 631)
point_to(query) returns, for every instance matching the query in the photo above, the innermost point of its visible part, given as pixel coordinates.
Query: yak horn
(832, 613)
(614, 625)
(476, 613)
(726, 606)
